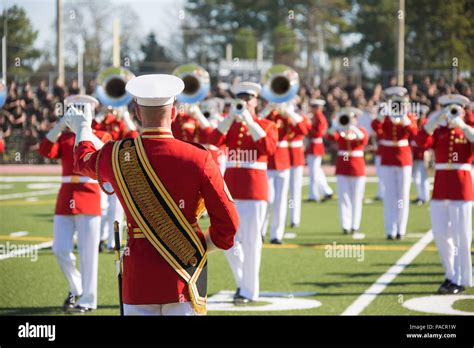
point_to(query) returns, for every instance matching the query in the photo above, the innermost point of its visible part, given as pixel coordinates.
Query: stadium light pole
(401, 43)
(116, 43)
(4, 47)
(59, 41)
(80, 63)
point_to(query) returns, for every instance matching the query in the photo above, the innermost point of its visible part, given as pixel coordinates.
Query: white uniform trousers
(350, 192)
(278, 186)
(244, 256)
(378, 173)
(82, 283)
(178, 308)
(396, 201)
(296, 187)
(111, 211)
(451, 223)
(318, 184)
(420, 178)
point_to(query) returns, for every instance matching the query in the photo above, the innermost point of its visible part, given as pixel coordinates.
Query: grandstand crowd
(30, 111)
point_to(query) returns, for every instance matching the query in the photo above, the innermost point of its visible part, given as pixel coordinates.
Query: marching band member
(288, 123)
(297, 161)
(164, 272)
(190, 124)
(250, 141)
(77, 209)
(420, 173)
(350, 167)
(318, 185)
(378, 167)
(119, 128)
(212, 110)
(451, 204)
(394, 126)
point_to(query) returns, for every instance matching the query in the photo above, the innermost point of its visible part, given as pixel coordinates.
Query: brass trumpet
(3, 93)
(196, 83)
(110, 88)
(280, 84)
(454, 111)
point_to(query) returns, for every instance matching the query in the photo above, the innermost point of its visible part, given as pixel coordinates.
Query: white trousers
(350, 192)
(111, 211)
(178, 308)
(296, 187)
(318, 184)
(378, 172)
(82, 283)
(420, 178)
(244, 256)
(451, 223)
(278, 186)
(396, 201)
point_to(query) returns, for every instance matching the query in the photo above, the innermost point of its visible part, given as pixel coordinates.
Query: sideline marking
(27, 250)
(19, 234)
(30, 178)
(385, 279)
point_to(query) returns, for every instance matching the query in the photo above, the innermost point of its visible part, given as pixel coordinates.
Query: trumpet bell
(3, 93)
(111, 86)
(280, 84)
(196, 83)
(454, 111)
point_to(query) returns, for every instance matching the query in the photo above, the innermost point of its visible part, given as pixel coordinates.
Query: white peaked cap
(395, 91)
(155, 89)
(81, 99)
(424, 109)
(350, 110)
(247, 87)
(453, 99)
(319, 102)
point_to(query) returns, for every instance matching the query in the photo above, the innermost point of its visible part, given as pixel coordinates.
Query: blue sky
(154, 15)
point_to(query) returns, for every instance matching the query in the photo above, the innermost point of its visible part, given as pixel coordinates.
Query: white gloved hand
(54, 132)
(468, 131)
(76, 118)
(247, 117)
(226, 123)
(406, 120)
(434, 120)
(357, 132)
(266, 110)
(333, 130)
(128, 121)
(196, 113)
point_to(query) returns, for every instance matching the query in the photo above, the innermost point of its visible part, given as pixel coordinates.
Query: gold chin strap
(99, 179)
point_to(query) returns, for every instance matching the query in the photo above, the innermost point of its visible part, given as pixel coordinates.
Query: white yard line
(28, 194)
(380, 284)
(27, 251)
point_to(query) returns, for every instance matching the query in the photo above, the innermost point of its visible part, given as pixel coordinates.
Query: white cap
(81, 99)
(251, 88)
(395, 91)
(453, 99)
(424, 109)
(155, 89)
(317, 102)
(350, 110)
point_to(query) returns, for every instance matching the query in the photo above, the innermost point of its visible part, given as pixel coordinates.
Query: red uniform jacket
(296, 142)
(350, 155)
(451, 148)
(246, 174)
(418, 152)
(188, 172)
(280, 160)
(117, 128)
(394, 146)
(76, 196)
(319, 127)
(186, 128)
